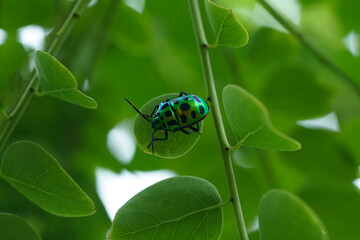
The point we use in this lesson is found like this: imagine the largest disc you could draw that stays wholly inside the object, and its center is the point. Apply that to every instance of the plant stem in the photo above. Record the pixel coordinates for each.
(215, 108)
(31, 88)
(310, 45)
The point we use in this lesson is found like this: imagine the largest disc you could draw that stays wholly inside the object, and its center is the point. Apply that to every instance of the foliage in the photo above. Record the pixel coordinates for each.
(180, 207)
(283, 73)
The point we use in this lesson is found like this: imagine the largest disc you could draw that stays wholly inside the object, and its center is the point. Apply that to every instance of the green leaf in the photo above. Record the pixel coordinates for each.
(177, 143)
(57, 81)
(250, 122)
(228, 30)
(296, 92)
(13, 227)
(284, 216)
(176, 208)
(334, 205)
(38, 176)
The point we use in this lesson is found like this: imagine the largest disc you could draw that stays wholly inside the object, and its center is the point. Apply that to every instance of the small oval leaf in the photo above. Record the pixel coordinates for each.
(301, 98)
(284, 216)
(13, 227)
(177, 143)
(228, 30)
(57, 81)
(38, 176)
(250, 122)
(176, 208)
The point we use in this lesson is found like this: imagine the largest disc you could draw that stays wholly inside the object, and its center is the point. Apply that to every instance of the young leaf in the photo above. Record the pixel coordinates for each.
(250, 122)
(177, 143)
(284, 216)
(57, 81)
(229, 31)
(13, 227)
(176, 208)
(38, 176)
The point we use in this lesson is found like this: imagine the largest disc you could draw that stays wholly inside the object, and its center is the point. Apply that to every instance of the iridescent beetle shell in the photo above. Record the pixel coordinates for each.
(176, 115)
(180, 113)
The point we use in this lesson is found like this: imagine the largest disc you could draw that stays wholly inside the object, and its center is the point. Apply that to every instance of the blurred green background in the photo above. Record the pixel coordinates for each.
(115, 51)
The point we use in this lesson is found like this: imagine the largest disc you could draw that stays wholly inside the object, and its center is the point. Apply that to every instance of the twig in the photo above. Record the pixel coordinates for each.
(215, 108)
(30, 90)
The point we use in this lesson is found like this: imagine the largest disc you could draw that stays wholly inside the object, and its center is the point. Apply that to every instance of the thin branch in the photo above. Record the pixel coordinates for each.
(310, 45)
(215, 108)
(28, 93)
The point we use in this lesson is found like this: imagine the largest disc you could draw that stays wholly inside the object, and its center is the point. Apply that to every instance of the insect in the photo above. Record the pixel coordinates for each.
(178, 114)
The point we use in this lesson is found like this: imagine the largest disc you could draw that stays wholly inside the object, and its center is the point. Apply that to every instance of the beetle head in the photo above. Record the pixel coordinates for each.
(155, 123)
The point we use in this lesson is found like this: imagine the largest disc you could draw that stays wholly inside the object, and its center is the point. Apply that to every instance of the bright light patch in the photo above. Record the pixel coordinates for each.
(254, 226)
(92, 3)
(328, 122)
(32, 37)
(290, 9)
(3, 36)
(115, 189)
(351, 42)
(137, 5)
(86, 85)
(356, 182)
(121, 142)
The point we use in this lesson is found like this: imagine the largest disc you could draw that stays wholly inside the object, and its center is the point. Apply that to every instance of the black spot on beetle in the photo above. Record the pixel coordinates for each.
(197, 99)
(164, 106)
(201, 109)
(176, 101)
(164, 126)
(186, 98)
(193, 114)
(168, 113)
(161, 117)
(172, 122)
(185, 107)
(183, 118)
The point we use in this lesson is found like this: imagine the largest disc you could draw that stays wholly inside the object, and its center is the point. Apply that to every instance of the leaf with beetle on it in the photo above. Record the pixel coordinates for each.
(57, 81)
(228, 30)
(182, 208)
(13, 227)
(177, 142)
(38, 176)
(284, 216)
(250, 122)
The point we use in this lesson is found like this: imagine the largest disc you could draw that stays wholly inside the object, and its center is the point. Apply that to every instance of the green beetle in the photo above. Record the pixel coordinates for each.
(175, 115)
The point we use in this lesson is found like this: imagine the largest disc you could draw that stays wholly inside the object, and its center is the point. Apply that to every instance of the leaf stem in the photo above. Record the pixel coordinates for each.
(4, 114)
(215, 108)
(310, 45)
(31, 88)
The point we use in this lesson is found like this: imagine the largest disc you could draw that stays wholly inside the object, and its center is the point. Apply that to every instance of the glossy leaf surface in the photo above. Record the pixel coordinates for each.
(56, 80)
(250, 122)
(176, 208)
(177, 143)
(38, 176)
(284, 216)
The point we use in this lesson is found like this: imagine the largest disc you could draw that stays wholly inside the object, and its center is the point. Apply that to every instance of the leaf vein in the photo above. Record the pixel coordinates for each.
(37, 188)
(174, 220)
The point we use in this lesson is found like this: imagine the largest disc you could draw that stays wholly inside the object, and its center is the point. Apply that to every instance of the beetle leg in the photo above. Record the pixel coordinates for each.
(153, 111)
(187, 133)
(196, 129)
(157, 139)
(183, 93)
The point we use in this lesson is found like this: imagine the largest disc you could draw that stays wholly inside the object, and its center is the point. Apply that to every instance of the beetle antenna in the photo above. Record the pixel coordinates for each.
(137, 110)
